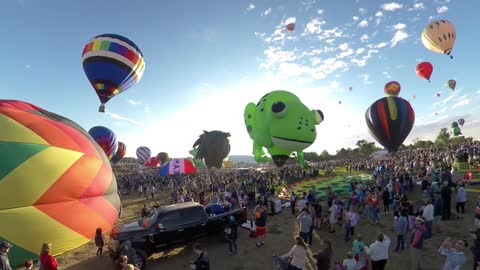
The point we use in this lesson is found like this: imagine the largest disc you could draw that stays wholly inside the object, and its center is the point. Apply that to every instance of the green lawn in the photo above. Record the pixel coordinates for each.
(339, 183)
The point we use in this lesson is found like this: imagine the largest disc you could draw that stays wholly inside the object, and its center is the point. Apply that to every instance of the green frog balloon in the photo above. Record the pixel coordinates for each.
(282, 124)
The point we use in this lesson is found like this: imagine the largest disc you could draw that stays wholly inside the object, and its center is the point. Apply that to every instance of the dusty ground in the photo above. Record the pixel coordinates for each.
(281, 230)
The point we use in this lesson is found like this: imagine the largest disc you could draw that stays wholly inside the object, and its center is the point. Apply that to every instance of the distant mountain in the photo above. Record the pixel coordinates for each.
(242, 158)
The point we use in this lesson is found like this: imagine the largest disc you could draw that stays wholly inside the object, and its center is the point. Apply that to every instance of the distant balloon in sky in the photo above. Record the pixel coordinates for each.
(461, 121)
(392, 88)
(436, 113)
(424, 70)
(350, 89)
(291, 27)
(438, 94)
(452, 84)
(390, 120)
(339, 102)
(113, 64)
(439, 36)
(413, 97)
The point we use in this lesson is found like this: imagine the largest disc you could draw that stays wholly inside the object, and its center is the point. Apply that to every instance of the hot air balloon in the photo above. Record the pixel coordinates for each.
(413, 97)
(143, 154)
(452, 84)
(436, 113)
(438, 94)
(455, 129)
(350, 88)
(339, 102)
(461, 121)
(56, 182)
(121, 151)
(424, 70)
(213, 147)
(106, 139)
(113, 64)
(177, 166)
(392, 88)
(439, 36)
(291, 27)
(390, 120)
(152, 162)
(162, 157)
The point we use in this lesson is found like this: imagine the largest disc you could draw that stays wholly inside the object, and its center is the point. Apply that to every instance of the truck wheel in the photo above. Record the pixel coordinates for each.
(141, 259)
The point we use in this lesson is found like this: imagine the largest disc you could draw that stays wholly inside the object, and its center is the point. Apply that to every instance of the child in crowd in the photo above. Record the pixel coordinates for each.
(28, 264)
(99, 241)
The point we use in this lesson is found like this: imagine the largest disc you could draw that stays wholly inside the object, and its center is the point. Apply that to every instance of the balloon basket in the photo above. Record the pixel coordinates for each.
(102, 108)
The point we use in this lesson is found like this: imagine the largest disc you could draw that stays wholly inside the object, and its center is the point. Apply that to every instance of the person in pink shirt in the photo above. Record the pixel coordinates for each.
(351, 218)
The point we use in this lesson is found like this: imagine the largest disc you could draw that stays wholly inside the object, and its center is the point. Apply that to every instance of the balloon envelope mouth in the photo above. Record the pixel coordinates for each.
(290, 144)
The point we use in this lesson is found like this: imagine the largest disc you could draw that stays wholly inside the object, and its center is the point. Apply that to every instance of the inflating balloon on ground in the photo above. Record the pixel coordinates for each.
(143, 154)
(56, 183)
(282, 124)
(121, 151)
(212, 147)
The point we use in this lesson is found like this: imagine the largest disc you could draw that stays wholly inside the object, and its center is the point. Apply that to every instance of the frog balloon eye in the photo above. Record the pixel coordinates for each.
(318, 116)
(279, 109)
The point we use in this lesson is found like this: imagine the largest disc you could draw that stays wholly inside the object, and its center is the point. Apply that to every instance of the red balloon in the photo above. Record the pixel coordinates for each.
(424, 70)
(291, 27)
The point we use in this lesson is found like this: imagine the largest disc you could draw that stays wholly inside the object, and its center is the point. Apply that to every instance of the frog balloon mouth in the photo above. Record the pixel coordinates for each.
(290, 144)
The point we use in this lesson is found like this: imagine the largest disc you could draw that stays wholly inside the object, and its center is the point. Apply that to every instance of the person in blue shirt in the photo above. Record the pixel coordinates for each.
(455, 257)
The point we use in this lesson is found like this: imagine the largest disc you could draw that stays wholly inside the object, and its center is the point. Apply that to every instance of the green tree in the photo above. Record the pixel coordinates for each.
(325, 155)
(366, 148)
(311, 156)
(442, 138)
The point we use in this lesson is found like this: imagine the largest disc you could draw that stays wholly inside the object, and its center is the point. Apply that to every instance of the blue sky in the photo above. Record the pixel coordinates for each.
(205, 60)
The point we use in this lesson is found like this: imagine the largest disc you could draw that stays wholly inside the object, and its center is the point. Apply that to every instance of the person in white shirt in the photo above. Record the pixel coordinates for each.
(298, 254)
(428, 217)
(349, 263)
(302, 203)
(378, 251)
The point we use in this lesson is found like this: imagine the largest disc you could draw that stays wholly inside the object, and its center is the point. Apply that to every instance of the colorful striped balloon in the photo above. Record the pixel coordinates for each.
(106, 139)
(113, 64)
(390, 120)
(121, 151)
(56, 183)
(143, 154)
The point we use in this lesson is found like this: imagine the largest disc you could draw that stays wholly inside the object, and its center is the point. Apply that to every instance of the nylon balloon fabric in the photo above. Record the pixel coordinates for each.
(390, 120)
(143, 154)
(213, 147)
(56, 183)
(121, 151)
(106, 139)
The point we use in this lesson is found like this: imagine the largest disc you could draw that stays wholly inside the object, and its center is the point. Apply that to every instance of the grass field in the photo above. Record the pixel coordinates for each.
(339, 183)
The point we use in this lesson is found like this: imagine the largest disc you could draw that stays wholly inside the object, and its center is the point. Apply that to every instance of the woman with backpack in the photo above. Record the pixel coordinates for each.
(99, 241)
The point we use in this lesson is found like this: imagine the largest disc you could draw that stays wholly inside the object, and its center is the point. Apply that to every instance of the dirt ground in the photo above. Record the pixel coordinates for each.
(281, 230)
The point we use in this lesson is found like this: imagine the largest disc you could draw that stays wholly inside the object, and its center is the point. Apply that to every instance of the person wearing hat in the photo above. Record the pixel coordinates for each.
(416, 243)
(231, 233)
(4, 262)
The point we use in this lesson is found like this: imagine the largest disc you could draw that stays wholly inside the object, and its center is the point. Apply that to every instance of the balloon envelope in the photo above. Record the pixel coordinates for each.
(291, 27)
(106, 139)
(112, 64)
(452, 84)
(143, 154)
(424, 70)
(177, 166)
(56, 183)
(389, 121)
(162, 157)
(461, 121)
(121, 151)
(439, 36)
(392, 88)
(152, 162)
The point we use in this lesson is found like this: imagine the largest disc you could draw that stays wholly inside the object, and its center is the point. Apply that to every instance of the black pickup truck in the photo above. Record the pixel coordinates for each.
(166, 227)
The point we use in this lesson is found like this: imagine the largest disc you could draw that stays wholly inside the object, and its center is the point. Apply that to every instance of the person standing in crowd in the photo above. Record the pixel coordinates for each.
(47, 261)
(305, 221)
(416, 243)
(333, 216)
(427, 215)
(302, 203)
(324, 256)
(293, 200)
(351, 220)
(298, 254)
(386, 200)
(202, 262)
(318, 214)
(231, 232)
(145, 211)
(401, 227)
(378, 251)
(4, 249)
(28, 264)
(260, 223)
(99, 241)
(476, 245)
(349, 263)
(460, 199)
(447, 199)
(455, 257)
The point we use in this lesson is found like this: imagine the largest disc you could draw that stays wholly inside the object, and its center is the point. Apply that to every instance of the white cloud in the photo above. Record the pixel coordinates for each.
(442, 9)
(363, 24)
(461, 103)
(359, 62)
(418, 6)
(361, 50)
(364, 38)
(391, 6)
(134, 102)
(399, 36)
(251, 7)
(381, 45)
(320, 11)
(126, 119)
(366, 78)
(314, 26)
(268, 11)
(362, 11)
(399, 26)
(345, 53)
(355, 18)
(343, 46)
(275, 55)
(379, 14)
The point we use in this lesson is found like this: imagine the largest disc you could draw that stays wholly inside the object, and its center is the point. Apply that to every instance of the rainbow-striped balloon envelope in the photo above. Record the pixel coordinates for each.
(56, 183)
